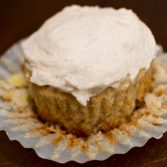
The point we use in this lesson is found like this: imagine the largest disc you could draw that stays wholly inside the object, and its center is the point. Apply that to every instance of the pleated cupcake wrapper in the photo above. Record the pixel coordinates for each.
(53, 144)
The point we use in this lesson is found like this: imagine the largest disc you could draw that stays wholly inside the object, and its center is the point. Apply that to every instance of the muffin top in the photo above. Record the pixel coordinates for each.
(83, 50)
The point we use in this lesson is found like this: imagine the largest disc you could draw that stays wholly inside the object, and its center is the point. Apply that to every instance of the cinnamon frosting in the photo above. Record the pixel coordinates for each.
(83, 50)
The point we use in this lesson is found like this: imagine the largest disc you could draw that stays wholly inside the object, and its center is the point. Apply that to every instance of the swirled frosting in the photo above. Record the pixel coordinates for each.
(83, 50)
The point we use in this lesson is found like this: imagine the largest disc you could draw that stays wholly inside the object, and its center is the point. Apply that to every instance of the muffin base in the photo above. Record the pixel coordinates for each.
(109, 109)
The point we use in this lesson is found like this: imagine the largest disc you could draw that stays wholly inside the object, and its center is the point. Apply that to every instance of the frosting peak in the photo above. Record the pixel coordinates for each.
(83, 50)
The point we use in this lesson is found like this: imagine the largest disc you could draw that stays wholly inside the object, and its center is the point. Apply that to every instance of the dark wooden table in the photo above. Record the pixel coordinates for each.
(19, 18)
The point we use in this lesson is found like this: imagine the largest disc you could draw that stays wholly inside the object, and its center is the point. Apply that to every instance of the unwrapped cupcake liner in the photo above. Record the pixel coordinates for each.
(21, 123)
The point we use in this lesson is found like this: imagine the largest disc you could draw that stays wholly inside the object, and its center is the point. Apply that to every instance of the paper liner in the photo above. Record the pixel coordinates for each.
(50, 142)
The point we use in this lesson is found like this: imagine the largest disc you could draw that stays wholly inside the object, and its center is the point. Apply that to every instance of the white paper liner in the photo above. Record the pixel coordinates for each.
(32, 133)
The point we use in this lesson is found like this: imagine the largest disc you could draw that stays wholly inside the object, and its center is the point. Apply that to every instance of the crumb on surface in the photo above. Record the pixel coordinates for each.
(18, 80)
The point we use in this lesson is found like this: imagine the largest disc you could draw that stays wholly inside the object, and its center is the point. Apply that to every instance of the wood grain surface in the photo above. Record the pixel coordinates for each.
(19, 18)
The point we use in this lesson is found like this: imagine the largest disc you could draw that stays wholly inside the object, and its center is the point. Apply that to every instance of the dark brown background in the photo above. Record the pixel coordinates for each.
(19, 18)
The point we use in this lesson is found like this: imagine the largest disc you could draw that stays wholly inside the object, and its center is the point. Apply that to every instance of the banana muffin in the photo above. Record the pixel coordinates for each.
(89, 68)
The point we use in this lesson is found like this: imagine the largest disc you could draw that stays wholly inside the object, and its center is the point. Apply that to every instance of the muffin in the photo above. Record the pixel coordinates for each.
(89, 68)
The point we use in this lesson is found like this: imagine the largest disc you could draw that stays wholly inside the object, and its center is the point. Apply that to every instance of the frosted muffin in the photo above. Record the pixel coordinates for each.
(88, 68)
